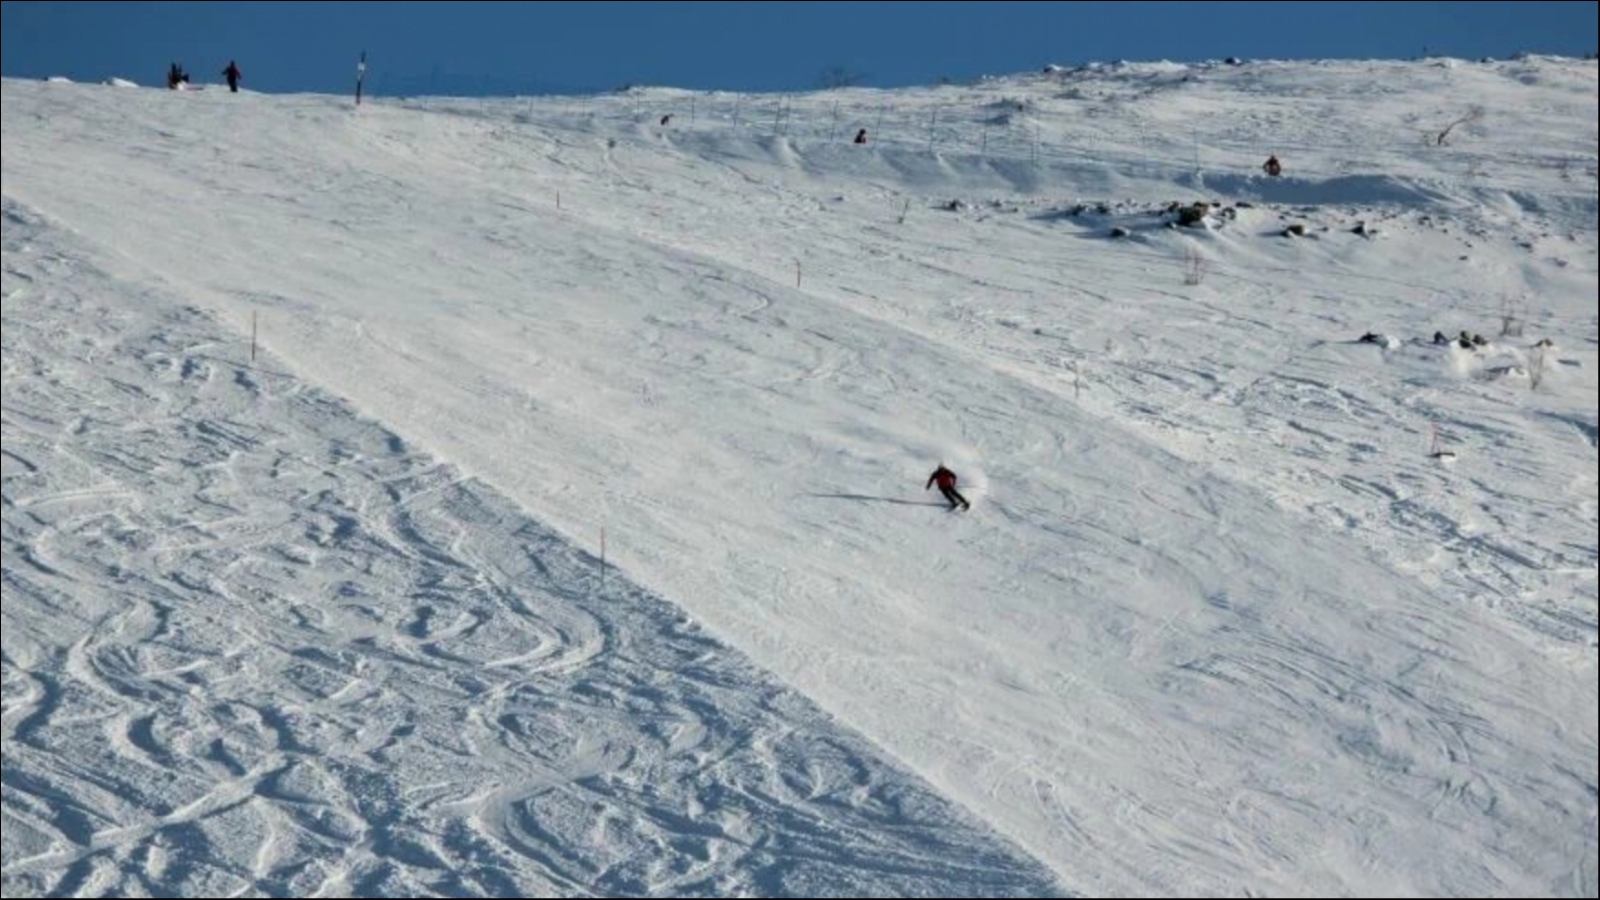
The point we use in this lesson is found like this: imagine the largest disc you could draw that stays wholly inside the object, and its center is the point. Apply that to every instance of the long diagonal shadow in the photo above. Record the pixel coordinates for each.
(863, 498)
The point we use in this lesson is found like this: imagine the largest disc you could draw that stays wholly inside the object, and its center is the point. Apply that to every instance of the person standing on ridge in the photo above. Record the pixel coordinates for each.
(946, 480)
(233, 75)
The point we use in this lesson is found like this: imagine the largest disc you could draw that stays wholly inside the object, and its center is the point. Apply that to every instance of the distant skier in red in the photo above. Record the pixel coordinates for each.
(946, 480)
(233, 75)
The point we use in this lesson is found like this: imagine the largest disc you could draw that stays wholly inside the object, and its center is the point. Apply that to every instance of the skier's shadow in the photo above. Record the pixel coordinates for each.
(864, 498)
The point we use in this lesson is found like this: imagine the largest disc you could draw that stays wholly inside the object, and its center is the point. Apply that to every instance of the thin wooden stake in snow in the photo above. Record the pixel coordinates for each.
(1438, 451)
(252, 338)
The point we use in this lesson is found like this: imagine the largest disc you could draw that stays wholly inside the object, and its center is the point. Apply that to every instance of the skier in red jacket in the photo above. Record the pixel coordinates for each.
(946, 480)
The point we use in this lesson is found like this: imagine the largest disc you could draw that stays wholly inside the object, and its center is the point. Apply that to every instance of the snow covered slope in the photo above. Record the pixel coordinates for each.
(1218, 621)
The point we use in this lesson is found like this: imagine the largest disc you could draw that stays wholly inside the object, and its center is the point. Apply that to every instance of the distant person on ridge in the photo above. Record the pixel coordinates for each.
(233, 75)
(1272, 166)
(946, 480)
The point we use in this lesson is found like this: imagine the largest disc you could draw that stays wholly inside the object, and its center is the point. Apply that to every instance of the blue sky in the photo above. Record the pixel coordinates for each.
(507, 47)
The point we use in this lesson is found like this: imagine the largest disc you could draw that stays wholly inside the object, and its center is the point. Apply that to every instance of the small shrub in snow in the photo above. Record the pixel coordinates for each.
(1513, 315)
(1472, 117)
(1012, 104)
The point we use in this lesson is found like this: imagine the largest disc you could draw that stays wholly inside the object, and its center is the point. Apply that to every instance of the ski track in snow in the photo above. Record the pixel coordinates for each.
(456, 706)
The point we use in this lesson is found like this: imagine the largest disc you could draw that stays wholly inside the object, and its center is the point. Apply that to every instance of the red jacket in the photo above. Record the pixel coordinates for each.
(943, 477)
